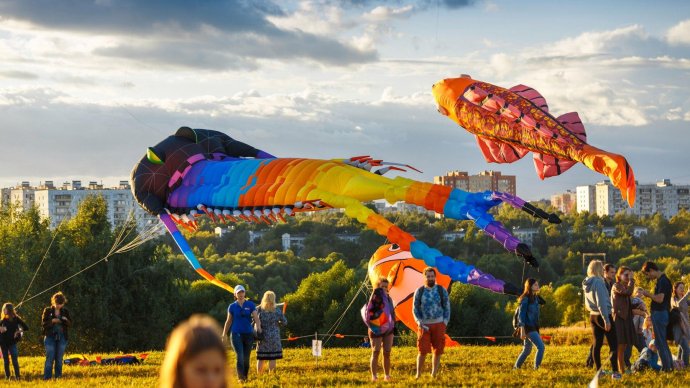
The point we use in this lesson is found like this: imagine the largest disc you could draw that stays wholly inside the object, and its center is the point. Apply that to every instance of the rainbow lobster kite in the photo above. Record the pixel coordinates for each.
(198, 171)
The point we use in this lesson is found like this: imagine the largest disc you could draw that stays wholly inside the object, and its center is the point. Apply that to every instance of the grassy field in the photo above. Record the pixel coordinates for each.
(466, 365)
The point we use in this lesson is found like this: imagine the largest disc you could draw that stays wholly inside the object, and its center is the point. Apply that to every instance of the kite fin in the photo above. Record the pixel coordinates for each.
(548, 166)
(531, 94)
(497, 152)
(573, 123)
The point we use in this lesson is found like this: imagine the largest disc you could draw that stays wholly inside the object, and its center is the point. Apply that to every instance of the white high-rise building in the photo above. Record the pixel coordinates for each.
(61, 203)
(22, 195)
(609, 200)
(586, 199)
(662, 197)
(658, 198)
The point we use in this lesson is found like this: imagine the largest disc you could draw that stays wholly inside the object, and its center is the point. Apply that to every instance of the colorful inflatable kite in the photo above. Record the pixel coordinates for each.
(197, 172)
(405, 275)
(510, 123)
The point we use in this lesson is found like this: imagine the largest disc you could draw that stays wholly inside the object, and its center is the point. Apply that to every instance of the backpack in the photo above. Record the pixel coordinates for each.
(418, 297)
(377, 314)
(516, 317)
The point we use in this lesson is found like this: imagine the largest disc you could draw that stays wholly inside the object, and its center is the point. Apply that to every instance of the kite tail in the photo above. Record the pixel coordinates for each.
(188, 254)
(462, 205)
(615, 167)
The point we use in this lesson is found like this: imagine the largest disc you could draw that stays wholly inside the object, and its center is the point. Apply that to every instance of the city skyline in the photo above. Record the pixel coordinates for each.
(83, 93)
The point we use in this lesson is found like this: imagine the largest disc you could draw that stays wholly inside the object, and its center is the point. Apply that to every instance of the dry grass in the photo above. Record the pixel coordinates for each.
(463, 366)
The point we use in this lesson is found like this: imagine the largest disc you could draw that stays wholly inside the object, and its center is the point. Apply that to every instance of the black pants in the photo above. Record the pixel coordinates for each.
(597, 323)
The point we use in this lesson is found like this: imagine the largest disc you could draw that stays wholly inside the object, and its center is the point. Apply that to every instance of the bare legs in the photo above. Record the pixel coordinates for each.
(621, 357)
(376, 344)
(261, 363)
(435, 364)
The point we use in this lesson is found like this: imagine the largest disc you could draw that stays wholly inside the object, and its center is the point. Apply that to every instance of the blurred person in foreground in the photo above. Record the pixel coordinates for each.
(195, 356)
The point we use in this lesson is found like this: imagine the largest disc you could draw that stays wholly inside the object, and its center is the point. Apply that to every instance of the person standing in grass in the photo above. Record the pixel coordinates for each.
(681, 331)
(269, 350)
(609, 279)
(12, 327)
(431, 313)
(661, 304)
(598, 303)
(639, 315)
(55, 321)
(379, 316)
(621, 299)
(528, 322)
(239, 323)
(195, 356)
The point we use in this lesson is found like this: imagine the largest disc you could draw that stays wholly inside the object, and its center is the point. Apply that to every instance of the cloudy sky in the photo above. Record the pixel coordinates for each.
(87, 85)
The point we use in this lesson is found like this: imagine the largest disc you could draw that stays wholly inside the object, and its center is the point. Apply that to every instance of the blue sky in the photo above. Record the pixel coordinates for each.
(86, 86)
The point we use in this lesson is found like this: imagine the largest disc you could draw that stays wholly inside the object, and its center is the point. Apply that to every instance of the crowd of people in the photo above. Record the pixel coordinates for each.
(618, 313)
(195, 352)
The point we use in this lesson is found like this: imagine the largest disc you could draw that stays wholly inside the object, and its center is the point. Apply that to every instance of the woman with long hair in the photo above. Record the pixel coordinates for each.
(269, 349)
(528, 322)
(12, 327)
(380, 318)
(195, 356)
(598, 303)
(621, 299)
(681, 331)
(55, 321)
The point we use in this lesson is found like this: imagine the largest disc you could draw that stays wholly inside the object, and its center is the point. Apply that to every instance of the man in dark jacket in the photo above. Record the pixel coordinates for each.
(661, 305)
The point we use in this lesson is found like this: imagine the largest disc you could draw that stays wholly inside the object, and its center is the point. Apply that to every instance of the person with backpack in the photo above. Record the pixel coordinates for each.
(379, 316)
(431, 313)
(528, 324)
(12, 327)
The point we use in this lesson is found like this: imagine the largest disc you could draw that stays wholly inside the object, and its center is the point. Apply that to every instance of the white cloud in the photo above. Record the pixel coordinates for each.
(674, 114)
(679, 34)
(384, 13)
(313, 17)
(595, 42)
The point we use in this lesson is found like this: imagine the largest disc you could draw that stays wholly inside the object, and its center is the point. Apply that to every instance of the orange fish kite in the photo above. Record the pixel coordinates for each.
(405, 275)
(509, 123)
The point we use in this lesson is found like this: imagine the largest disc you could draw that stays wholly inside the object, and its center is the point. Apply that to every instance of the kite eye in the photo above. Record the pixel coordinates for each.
(442, 110)
(152, 157)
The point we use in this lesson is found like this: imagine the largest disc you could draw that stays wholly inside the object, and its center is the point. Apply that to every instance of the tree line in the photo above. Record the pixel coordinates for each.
(133, 300)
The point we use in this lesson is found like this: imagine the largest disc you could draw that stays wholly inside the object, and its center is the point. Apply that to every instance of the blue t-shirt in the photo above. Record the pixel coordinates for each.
(241, 317)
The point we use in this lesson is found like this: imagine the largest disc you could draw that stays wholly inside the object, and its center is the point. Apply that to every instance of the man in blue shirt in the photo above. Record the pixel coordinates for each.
(239, 323)
(431, 312)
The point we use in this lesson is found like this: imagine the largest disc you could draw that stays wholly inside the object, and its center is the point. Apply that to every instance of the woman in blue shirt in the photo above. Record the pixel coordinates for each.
(239, 323)
(528, 321)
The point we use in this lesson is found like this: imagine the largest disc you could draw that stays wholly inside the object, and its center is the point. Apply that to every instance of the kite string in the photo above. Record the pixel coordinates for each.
(338, 321)
(116, 248)
(41, 263)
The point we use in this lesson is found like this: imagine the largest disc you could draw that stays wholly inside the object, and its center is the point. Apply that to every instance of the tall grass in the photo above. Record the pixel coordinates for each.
(463, 366)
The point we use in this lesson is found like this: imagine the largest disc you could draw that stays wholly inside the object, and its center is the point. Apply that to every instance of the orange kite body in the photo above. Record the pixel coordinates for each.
(509, 123)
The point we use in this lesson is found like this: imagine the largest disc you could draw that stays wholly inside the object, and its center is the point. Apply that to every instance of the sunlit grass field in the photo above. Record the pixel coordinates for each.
(466, 365)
